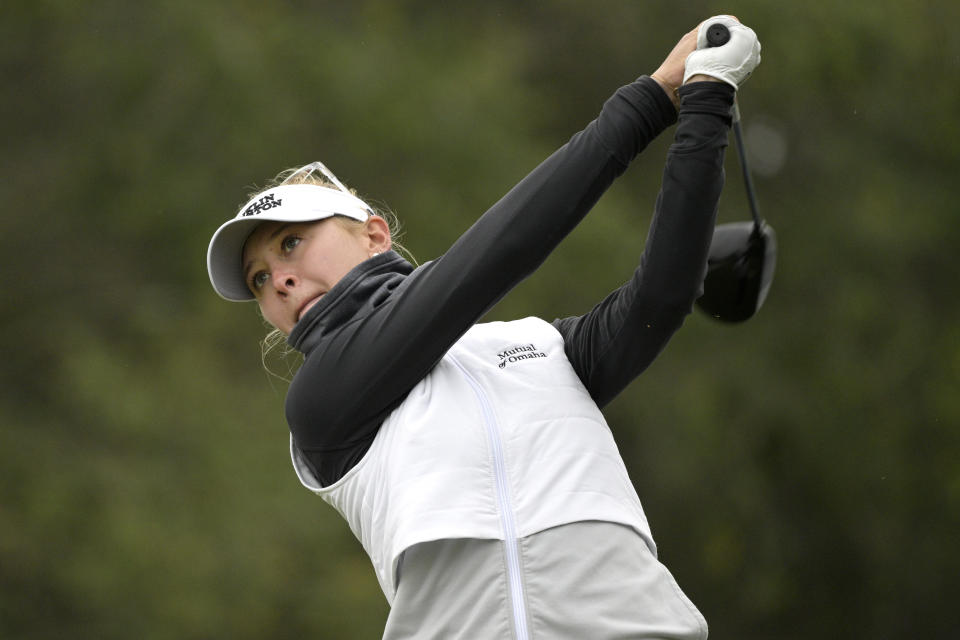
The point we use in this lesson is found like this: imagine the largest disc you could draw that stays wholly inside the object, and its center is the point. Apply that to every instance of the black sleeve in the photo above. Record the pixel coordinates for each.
(621, 336)
(342, 393)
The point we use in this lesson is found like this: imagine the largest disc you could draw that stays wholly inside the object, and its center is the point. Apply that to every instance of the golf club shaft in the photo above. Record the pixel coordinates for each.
(745, 168)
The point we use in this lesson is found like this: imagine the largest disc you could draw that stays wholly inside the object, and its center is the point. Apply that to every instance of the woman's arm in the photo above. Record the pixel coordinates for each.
(621, 336)
(515, 236)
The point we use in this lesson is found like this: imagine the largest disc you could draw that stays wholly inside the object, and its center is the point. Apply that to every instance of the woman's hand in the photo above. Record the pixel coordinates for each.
(670, 73)
(732, 61)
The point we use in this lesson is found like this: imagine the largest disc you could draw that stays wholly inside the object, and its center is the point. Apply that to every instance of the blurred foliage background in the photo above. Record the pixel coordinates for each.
(801, 472)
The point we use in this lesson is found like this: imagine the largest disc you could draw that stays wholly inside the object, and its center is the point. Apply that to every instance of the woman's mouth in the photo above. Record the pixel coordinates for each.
(307, 305)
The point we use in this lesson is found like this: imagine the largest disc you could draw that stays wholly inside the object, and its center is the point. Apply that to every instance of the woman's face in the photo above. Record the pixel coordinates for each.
(290, 266)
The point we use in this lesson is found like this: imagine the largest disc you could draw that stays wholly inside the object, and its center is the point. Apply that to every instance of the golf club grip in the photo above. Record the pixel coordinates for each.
(717, 35)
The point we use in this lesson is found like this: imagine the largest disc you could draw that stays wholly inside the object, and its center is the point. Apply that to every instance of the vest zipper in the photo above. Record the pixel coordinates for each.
(505, 505)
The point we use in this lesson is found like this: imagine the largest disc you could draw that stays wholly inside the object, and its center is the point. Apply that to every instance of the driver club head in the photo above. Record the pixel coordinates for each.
(740, 268)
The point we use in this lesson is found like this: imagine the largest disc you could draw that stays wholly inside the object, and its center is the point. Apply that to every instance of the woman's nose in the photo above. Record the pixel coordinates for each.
(284, 281)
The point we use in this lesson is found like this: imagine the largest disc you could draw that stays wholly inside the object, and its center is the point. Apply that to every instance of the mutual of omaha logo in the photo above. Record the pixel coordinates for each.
(519, 354)
(265, 203)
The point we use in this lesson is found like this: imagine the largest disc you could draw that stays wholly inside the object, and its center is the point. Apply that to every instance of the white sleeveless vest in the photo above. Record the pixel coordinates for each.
(499, 441)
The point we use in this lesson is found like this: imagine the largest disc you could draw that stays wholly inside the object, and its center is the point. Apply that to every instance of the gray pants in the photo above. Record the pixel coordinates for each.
(583, 581)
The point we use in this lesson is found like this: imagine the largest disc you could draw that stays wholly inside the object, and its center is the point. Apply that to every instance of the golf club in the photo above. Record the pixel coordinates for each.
(743, 255)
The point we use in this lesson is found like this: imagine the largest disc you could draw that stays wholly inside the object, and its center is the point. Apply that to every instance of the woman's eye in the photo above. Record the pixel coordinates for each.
(259, 279)
(289, 244)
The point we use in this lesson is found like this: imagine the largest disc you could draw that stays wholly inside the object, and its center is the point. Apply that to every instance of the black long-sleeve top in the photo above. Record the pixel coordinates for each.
(381, 329)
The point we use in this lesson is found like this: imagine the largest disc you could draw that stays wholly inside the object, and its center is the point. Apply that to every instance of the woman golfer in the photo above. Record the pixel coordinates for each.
(472, 460)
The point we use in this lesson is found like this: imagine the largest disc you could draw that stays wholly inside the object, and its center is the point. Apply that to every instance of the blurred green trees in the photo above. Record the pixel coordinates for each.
(801, 472)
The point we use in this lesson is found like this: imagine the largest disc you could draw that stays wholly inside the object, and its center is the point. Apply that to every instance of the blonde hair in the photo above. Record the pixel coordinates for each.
(275, 342)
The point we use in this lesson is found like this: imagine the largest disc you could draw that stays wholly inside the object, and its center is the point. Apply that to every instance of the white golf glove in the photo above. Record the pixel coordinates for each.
(732, 62)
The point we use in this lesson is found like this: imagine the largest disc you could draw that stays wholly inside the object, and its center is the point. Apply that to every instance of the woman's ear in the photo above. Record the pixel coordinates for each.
(377, 235)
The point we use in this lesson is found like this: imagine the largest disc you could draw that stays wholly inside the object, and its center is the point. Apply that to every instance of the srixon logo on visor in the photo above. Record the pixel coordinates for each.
(265, 203)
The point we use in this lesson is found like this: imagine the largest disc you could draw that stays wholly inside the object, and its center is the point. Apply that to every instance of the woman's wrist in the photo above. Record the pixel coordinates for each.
(702, 78)
(671, 90)
(668, 88)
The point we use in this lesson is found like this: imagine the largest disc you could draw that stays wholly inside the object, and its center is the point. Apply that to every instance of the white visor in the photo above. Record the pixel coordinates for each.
(286, 203)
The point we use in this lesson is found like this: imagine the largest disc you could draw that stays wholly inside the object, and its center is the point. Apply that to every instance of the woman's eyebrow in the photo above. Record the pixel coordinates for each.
(280, 230)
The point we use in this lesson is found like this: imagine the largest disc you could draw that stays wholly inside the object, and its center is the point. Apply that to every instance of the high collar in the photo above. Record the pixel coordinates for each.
(357, 293)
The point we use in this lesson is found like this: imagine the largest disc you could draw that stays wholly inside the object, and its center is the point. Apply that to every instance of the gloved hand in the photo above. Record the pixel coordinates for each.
(732, 62)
